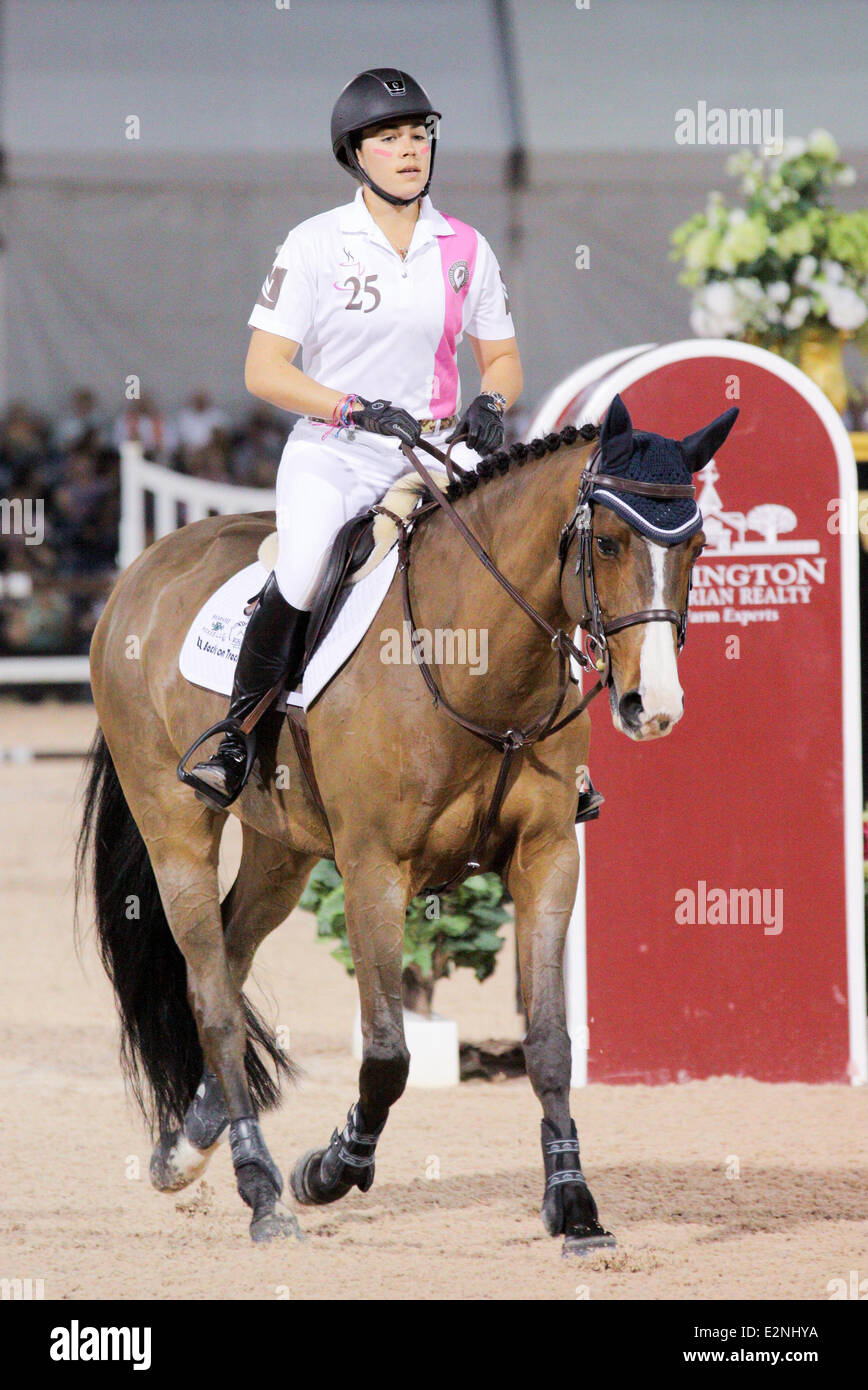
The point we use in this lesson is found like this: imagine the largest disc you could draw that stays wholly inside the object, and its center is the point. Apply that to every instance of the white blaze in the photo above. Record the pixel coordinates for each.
(659, 687)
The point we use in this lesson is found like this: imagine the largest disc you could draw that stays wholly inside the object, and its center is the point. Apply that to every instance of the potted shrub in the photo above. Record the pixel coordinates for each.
(460, 929)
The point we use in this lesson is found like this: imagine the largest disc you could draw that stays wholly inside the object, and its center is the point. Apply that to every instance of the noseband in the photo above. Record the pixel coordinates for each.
(593, 625)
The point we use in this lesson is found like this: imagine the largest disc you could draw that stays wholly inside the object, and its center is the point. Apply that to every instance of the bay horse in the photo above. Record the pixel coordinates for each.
(403, 792)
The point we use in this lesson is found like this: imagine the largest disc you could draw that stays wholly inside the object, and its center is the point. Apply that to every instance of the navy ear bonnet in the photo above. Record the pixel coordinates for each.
(652, 458)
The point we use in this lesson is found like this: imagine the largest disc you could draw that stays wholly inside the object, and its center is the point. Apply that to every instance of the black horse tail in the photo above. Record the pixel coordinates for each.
(160, 1052)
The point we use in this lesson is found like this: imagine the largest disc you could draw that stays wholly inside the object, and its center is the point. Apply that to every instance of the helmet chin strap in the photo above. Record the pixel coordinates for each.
(381, 192)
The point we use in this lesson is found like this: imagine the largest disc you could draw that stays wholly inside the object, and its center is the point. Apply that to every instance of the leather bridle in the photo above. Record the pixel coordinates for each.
(581, 524)
(593, 655)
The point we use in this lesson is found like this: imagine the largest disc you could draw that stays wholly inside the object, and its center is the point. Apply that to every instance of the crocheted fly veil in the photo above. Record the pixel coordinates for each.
(652, 458)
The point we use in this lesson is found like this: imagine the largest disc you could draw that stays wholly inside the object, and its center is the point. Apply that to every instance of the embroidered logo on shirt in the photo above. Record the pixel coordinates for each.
(458, 272)
(270, 292)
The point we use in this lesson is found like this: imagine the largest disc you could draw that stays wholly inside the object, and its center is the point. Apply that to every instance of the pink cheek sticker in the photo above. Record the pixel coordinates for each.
(383, 152)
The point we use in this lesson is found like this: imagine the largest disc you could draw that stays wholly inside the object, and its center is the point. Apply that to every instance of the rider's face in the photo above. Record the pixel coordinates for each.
(397, 157)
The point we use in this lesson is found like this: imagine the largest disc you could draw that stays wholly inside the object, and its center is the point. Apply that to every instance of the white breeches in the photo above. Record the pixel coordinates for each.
(321, 483)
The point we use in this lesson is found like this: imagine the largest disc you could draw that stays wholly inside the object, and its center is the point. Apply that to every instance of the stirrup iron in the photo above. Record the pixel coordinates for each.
(216, 799)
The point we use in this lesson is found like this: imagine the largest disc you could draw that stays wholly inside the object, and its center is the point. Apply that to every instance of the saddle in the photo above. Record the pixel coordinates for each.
(359, 546)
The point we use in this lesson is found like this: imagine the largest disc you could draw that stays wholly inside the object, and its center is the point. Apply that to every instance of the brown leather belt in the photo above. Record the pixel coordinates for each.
(426, 426)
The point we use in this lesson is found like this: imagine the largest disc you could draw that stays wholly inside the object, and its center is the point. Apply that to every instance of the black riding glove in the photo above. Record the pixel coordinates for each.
(381, 417)
(481, 425)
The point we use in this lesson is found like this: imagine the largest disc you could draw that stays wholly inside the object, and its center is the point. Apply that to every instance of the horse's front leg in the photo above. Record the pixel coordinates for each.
(543, 878)
(376, 905)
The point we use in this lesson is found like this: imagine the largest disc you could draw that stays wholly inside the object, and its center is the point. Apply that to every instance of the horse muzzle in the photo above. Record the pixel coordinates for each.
(633, 717)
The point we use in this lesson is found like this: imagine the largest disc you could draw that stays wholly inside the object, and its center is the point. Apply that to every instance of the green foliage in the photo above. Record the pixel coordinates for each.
(785, 264)
(459, 929)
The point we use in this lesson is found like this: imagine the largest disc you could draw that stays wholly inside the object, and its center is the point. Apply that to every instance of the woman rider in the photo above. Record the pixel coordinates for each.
(377, 294)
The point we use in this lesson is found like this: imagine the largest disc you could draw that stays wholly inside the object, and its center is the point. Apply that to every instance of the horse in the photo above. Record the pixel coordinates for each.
(400, 794)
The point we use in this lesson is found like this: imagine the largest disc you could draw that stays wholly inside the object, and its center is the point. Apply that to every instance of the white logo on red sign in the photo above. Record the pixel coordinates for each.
(729, 589)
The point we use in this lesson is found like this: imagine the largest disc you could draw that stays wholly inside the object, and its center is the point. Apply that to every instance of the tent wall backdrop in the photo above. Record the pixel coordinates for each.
(143, 257)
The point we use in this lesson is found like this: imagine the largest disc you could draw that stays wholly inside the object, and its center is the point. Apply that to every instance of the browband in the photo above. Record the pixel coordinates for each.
(619, 484)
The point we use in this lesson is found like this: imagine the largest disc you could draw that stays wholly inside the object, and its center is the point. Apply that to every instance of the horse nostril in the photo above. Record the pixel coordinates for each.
(630, 708)
(663, 724)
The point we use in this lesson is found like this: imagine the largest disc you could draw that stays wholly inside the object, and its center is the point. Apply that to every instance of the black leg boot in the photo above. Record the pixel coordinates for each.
(272, 649)
(590, 801)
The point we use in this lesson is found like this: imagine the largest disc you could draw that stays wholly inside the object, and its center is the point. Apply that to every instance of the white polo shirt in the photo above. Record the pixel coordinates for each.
(373, 324)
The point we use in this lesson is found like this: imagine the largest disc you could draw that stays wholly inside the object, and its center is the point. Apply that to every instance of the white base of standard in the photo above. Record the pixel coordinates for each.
(433, 1047)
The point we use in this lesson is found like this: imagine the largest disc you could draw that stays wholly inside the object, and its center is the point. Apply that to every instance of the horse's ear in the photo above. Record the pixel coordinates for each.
(616, 434)
(699, 447)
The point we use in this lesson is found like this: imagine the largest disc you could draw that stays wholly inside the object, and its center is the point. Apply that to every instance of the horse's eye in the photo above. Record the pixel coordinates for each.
(606, 545)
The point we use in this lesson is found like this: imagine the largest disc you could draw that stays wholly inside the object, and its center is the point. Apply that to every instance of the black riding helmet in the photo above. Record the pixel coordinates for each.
(376, 96)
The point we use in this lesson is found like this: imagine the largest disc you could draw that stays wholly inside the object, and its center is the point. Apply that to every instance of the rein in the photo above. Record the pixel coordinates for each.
(510, 742)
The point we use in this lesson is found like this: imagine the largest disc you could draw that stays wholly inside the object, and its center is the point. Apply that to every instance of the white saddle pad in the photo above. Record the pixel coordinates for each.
(211, 647)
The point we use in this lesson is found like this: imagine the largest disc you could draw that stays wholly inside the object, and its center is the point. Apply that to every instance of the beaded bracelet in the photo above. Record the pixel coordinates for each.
(342, 414)
(347, 406)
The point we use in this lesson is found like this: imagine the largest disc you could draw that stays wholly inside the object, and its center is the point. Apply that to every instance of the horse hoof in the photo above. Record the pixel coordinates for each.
(586, 1245)
(277, 1224)
(175, 1163)
(298, 1180)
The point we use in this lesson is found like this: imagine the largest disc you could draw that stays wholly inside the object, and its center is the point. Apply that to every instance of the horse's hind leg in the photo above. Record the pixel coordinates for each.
(543, 877)
(182, 843)
(376, 905)
(269, 883)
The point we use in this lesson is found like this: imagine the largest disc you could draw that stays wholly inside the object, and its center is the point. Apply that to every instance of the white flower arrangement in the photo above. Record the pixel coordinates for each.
(786, 264)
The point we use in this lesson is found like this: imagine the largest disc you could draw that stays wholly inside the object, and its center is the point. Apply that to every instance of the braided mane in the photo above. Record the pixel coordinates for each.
(500, 462)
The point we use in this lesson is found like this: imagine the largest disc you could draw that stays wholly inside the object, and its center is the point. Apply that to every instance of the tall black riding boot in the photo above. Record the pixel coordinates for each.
(273, 648)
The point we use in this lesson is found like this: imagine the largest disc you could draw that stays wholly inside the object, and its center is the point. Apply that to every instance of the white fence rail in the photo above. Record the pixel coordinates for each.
(171, 491)
(177, 500)
(44, 670)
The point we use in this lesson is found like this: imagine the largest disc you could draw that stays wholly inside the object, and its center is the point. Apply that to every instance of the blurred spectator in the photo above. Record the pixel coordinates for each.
(211, 459)
(83, 509)
(142, 420)
(53, 591)
(44, 625)
(23, 446)
(257, 448)
(195, 424)
(82, 418)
